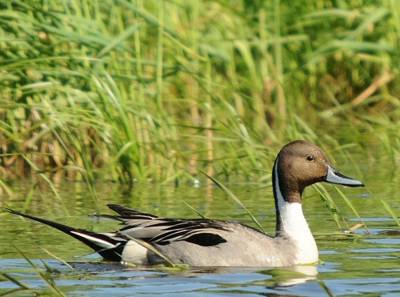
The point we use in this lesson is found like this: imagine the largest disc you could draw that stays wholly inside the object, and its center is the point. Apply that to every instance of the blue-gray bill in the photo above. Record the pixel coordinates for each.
(335, 177)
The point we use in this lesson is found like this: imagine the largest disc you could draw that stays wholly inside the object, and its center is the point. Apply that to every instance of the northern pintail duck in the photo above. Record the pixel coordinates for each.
(204, 242)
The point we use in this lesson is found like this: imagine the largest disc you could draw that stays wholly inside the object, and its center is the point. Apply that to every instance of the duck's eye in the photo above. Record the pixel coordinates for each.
(310, 158)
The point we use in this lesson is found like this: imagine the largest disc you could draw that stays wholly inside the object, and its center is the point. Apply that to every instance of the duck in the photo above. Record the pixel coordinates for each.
(146, 239)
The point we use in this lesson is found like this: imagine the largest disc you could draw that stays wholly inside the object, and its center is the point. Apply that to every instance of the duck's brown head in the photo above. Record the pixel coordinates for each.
(300, 164)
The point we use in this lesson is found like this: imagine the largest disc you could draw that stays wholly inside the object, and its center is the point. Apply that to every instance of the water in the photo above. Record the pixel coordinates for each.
(363, 264)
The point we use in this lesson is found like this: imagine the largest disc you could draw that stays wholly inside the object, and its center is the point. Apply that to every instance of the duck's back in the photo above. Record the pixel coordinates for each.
(237, 245)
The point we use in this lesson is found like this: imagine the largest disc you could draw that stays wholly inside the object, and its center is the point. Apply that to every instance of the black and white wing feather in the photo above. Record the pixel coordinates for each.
(164, 231)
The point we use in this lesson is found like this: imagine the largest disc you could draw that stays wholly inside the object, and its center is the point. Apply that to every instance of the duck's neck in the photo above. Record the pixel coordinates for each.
(290, 220)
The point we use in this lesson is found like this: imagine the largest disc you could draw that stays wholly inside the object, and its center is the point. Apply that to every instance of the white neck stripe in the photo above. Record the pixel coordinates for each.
(294, 225)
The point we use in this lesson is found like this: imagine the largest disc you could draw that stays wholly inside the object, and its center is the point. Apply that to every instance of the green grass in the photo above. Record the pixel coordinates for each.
(161, 90)
(44, 274)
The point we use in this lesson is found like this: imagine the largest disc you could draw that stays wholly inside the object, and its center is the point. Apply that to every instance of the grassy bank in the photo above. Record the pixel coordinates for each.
(163, 89)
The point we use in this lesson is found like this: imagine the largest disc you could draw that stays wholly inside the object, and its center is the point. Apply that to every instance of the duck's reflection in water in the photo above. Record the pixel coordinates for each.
(225, 278)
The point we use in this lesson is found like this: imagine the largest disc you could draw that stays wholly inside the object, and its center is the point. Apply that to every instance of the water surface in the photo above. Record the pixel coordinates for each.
(366, 263)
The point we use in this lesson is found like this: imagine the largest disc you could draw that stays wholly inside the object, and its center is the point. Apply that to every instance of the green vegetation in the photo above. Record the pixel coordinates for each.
(43, 274)
(160, 90)
(169, 91)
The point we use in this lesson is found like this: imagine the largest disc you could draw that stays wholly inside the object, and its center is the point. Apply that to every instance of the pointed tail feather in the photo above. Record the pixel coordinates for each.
(108, 247)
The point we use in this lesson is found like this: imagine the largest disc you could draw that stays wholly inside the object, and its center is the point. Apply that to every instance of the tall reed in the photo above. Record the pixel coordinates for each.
(159, 90)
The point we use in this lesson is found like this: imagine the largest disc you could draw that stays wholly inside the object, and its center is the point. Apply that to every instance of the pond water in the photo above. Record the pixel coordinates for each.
(364, 264)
